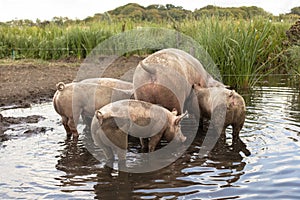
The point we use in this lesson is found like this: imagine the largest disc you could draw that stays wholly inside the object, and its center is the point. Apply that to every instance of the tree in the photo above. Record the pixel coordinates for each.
(295, 10)
(154, 6)
(253, 11)
(152, 15)
(170, 6)
(178, 14)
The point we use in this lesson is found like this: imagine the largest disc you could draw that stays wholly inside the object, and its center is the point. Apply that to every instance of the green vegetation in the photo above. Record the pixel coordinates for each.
(244, 51)
(246, 43)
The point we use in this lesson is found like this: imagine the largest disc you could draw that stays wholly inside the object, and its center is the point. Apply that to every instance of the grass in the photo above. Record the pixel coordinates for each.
(244, 51)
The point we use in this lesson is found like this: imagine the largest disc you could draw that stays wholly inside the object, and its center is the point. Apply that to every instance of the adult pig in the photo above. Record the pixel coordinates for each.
(110, 82)
(75, 99)
(167, 76)
(223, 107)
(113, 122)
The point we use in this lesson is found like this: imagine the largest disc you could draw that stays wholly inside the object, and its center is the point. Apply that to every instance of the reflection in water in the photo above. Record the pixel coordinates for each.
(191, 174)
(294, 107)
(75, 158)
(221, 167)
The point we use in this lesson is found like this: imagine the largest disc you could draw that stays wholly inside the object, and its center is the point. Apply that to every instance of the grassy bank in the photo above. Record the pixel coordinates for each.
(243, 50)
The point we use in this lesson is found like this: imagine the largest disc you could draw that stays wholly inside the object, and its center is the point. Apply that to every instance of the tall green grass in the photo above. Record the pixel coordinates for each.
(52, 41)
(244, 51)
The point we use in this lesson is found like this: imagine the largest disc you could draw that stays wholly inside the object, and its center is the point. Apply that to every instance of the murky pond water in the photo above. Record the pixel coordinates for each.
(43, 164)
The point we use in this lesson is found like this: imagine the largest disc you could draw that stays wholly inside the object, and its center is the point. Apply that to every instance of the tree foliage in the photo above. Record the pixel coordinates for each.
(295, 11)
(168, 12)
(238, 13)
(158, 12)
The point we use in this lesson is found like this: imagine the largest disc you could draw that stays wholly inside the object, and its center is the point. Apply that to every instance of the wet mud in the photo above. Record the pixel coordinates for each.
(7, 122)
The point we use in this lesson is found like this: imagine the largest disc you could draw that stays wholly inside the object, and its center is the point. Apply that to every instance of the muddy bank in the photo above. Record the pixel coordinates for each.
(26, 82)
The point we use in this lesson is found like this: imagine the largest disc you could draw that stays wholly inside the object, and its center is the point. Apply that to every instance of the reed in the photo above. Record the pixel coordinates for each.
(292, 60)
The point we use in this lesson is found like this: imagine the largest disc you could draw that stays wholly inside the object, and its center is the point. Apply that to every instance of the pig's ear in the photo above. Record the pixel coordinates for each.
(179, 118)
(174, 111)
(99, 116)
(231, 93)
(197, 86)
(199, 90)
(231, 100)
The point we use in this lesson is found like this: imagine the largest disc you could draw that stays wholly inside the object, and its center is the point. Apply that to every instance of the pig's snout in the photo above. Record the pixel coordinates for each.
(183, 139)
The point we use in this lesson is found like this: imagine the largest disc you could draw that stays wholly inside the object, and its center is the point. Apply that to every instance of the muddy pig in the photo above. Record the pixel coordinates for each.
(75, 99)
(113, 122)
(223, 107)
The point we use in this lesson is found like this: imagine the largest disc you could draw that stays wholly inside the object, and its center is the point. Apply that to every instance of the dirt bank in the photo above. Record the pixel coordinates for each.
(27, 82)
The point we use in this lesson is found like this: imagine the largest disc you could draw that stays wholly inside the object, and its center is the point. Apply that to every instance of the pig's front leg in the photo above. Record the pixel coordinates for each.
(154, 140)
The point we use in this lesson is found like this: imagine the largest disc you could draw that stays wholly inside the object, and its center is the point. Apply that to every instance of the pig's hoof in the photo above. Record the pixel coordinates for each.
(69, 135)
(122, 165)
(109, 164)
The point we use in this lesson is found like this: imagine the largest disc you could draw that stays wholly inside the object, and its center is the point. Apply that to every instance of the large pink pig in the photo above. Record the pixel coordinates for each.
(167, 76)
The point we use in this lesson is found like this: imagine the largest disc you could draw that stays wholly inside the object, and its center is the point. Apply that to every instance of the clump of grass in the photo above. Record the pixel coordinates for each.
(292, 62)
(248, 51)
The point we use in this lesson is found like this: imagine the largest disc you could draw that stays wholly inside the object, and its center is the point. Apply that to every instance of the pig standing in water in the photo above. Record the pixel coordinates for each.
(228, 106)
(113, 122)
(167, 76)
(75, 99)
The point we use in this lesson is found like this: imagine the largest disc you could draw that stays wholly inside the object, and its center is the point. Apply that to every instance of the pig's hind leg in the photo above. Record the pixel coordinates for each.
(64, 121)
(73, 122)
(72, 126)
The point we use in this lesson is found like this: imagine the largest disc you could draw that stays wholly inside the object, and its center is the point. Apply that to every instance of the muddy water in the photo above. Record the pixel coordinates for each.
(41, 163)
